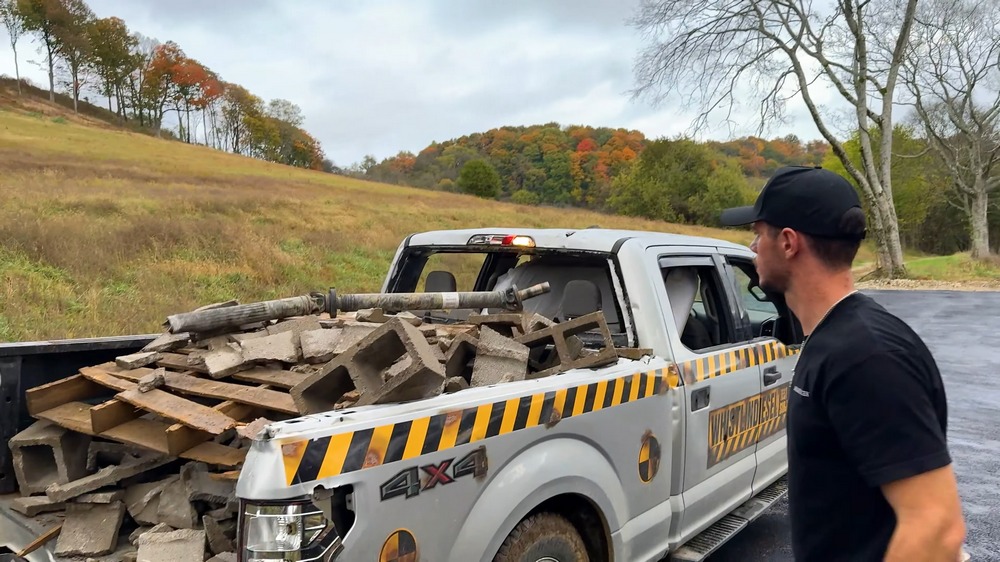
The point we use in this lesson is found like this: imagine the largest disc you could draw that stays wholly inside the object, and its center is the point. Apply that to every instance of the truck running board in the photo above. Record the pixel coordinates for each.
(709, 540)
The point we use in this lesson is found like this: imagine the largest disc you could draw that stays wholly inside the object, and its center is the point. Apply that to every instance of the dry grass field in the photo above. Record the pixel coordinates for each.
(106, 232)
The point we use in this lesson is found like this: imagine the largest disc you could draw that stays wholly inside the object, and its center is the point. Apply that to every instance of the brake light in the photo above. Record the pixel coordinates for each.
(502, 240)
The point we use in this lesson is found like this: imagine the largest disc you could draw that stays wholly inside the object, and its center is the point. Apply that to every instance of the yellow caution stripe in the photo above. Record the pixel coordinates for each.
(732, 360)
(342, 453)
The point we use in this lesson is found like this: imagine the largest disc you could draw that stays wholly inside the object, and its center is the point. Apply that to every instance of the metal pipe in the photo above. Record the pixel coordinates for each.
(235, 316)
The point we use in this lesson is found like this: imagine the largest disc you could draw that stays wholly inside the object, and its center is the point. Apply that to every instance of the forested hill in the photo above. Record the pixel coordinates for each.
(578, 165)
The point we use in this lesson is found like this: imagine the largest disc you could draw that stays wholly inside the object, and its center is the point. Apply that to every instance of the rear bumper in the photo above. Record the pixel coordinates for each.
(17, 531)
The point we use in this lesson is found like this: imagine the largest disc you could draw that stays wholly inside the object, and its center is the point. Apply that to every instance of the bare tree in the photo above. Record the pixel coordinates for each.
(14, 23)
(45, 17)
(716, 53)
(952, 72)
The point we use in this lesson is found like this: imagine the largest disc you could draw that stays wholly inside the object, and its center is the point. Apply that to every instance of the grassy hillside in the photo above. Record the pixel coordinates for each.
(105, 232)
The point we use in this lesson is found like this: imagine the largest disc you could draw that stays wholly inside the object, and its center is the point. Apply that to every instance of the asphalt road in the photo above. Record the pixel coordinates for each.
(962, 330)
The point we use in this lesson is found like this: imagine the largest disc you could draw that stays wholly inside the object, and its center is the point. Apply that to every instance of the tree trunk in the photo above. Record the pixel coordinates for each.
(17, 71)
(978, 221)
(52, 82)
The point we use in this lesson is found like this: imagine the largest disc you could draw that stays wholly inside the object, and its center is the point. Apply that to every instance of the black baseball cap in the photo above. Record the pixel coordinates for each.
(808, 199)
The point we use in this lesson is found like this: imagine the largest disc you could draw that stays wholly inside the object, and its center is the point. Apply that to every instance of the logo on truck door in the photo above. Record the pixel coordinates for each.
(734, 427)
(649, 457)
(401, 546)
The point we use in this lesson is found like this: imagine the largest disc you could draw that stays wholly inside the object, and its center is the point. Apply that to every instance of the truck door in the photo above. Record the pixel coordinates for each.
(721, 380)
(773, 329)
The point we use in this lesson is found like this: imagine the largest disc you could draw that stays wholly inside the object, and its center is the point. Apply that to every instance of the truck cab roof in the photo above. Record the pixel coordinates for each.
(582, 239)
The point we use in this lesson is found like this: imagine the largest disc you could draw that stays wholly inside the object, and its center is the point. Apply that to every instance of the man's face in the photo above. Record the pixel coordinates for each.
(772, 269)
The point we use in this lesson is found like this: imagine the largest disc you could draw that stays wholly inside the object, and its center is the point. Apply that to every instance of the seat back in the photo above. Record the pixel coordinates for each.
(580, 297)
(440, 282)
(682, 287)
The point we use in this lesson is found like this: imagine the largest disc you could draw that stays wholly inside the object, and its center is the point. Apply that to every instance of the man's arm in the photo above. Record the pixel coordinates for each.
(887, 424)
(929, 523)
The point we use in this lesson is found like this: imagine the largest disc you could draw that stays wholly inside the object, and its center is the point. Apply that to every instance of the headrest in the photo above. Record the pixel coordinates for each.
(440, 282)
(580, 297)
(682, 287)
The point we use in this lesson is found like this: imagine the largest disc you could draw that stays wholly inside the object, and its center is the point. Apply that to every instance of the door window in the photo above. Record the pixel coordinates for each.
(697, 306)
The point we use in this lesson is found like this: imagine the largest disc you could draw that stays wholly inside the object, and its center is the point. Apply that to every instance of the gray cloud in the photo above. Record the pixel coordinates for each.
(379, 77)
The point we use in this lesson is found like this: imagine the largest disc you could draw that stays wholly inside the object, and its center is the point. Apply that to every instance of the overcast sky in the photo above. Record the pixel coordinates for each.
(377, 77)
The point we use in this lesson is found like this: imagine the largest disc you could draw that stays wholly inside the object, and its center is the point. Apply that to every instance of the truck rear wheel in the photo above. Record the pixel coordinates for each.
(544, 537)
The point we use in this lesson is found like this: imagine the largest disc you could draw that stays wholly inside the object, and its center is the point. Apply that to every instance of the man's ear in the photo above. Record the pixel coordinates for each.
(790, 242)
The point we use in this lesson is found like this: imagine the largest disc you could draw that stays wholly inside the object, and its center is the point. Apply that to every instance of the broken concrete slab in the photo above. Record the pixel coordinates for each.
(136, 360)
(105, 453)
(101, 496)
(175, 508)
(295, 325)
(498, 358)
(104, 477)
(281, 346)
(374, 315)
(152, 380)
(243, 336)
(318, 345)
(172, 546)
(202, 486)
(220, 362)
(33, 505)
(158, 528)
(250, 430)
(218, 534)
(533, 322)
(90, 529)
(454, 384)
(45, 453)
(224, 557)
(351, 334)
(143, 500)
(168, 342)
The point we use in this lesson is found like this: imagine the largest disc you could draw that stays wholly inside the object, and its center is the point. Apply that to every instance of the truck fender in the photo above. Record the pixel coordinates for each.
(549, 468)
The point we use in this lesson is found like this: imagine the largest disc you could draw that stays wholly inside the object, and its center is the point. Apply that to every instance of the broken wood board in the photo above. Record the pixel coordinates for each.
(274, 377)
(74, 416)
(178, 409)
(208, 388)
(101, 376)
(181, 437)
(60, 392)
(112, 413)
(216, 454)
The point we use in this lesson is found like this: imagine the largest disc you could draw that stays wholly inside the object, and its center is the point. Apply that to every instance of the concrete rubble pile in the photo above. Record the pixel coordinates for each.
(137, 459)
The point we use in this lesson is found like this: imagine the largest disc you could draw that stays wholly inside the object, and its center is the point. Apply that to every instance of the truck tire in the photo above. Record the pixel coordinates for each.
(544, 537)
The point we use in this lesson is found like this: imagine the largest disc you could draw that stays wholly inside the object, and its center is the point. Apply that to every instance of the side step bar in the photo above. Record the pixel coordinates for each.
(708, 541)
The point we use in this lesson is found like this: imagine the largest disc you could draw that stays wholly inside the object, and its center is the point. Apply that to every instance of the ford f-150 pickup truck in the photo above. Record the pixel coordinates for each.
(664, 455)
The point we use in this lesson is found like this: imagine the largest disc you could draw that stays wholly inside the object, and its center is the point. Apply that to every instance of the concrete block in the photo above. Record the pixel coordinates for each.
(459, 355)
(454, 384)
(45, 454)
(152, 380)
(90, 529)
(250, 430)
(534, 322)
(172, 546)
(569, 348)
(374, 315)
(105, 496)
(508, 324)
(175, 508)
(282, 346)
(104, 453)
(224, 557)
(104, 477)
(397, 368)
(143, 500)
(168, 342)
(498, 357)
(33, 505)
(379, 350)
(136, 360)
(353, 333)
(318, 345)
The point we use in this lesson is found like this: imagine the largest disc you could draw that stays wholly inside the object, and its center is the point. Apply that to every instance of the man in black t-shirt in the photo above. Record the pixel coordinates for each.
(869, 472)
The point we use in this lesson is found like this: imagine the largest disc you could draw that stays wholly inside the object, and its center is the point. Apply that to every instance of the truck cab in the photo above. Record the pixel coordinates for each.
(665, 453)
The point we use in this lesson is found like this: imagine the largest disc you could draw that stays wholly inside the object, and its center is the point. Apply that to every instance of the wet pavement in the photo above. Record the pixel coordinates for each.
(962, 330)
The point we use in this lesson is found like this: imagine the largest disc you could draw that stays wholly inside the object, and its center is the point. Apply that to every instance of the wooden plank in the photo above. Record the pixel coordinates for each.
(111, 413)
(216, 454)
(101, 376)
(141, 432)
(40, 540)
(274, 377)
(208, 388)
(74, 416)
(181, 437)
(178, 409)
(60, 392)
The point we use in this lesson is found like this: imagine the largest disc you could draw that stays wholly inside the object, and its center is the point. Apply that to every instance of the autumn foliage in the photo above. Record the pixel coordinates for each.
(146, 82)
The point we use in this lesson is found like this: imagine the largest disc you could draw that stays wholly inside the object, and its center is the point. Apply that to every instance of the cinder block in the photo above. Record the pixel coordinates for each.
(454, 384)
(90, 529)
(224, 557)
(569, 348)
(281, 346)
(498, 359)
(351, 335)
(507, 324)
(46, 453)
(318, 345)
(459, 355)
(383, 347)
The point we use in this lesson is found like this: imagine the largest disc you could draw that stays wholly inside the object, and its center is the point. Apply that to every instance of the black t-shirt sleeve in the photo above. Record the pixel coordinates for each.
(885, 418)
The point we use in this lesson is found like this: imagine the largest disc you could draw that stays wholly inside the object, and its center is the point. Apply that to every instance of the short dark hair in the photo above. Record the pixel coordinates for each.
(837, 252)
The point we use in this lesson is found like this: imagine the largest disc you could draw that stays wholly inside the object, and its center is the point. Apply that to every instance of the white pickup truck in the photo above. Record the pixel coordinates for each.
(666, 455)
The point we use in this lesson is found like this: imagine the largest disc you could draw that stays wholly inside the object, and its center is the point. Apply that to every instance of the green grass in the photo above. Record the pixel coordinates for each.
(957, 267)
